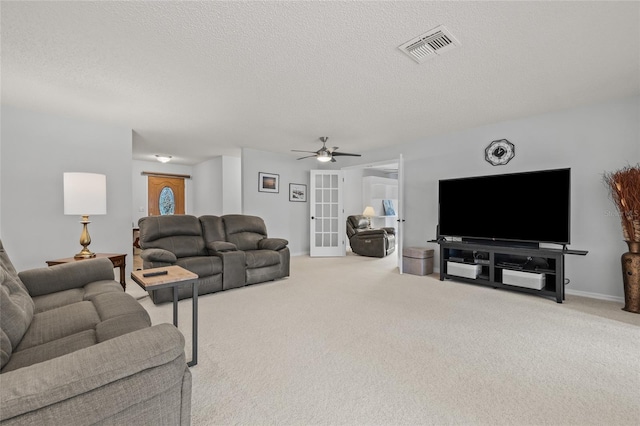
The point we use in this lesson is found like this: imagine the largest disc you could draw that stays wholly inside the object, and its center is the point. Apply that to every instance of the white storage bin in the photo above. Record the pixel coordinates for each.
(463, 270)
(523, 279)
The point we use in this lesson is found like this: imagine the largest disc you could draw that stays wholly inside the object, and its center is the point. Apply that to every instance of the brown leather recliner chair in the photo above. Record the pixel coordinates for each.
(364, 241)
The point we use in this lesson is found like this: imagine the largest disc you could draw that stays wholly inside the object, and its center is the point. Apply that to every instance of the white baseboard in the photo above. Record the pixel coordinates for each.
(595, 295)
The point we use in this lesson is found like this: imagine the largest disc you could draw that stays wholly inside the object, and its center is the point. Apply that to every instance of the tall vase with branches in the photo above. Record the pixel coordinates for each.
(624, 188)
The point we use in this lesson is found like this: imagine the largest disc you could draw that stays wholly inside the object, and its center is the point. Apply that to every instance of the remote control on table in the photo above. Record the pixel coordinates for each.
(155, 274)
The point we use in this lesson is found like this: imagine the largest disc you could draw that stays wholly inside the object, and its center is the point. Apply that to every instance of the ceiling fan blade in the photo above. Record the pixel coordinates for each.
(299, 150)
(333, 160)
(308, 156)
(346, 153)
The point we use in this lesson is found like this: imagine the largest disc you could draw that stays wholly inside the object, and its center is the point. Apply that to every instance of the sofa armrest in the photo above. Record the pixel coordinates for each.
(150, 360)
(371, 233)
(215, 247)
(390, 231)
(66, 276)
(272, 244)
(158, 255)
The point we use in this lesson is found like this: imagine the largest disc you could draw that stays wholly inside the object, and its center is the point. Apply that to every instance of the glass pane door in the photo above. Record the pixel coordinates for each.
(327, 216)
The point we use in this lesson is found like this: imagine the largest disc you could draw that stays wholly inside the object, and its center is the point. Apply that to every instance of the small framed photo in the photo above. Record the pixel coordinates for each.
(297, 192)
(268, 182)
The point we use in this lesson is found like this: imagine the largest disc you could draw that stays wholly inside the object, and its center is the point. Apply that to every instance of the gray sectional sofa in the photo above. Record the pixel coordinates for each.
(226, 252)
(75, 349)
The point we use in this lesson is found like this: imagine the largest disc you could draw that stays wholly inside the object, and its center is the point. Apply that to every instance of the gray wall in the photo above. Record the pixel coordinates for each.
(590, 140)
(284, 219)
(36, 150)
(218, 188)
(231, 185)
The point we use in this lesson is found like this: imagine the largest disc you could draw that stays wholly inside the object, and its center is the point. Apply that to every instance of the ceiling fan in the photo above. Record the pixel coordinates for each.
(325, 154)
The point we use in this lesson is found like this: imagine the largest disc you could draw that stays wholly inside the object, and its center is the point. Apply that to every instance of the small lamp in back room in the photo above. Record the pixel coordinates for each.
(85, 194)
(368, 213)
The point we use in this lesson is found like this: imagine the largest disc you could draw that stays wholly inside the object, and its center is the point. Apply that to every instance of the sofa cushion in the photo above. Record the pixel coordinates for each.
(180, 245)
(58, 299)
(58, 323)
(16, 309)
(111, 305)
(261, 258)
(5, 349)
(204, 266)
(244, 231)
(66, 297)
(47, 280)
(212, 228)
(51, 350)
(179, 234)
(122, 324)
(99, 287)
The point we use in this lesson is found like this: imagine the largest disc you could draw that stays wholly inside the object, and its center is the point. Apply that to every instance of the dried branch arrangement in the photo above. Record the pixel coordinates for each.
(624, 186)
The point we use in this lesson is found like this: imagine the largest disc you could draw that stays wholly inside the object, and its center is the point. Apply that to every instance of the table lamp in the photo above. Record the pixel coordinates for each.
(85, 194)
(369, 213)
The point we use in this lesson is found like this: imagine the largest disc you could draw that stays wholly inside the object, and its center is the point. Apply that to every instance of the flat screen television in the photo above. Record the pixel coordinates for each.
(531, 207)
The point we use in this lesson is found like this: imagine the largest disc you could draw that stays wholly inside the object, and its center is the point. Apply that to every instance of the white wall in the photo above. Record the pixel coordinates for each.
(218, 186)
(37, 149)
(352, 192)
(140, 191)
(284, 219)
(231, 185)
(590, 140)
(208, 187)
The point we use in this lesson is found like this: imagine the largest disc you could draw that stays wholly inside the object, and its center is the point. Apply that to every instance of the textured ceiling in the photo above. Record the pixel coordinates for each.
(200, 79)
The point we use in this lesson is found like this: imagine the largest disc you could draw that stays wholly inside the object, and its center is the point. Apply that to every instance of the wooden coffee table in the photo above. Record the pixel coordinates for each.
(174, 277)
(117, 259)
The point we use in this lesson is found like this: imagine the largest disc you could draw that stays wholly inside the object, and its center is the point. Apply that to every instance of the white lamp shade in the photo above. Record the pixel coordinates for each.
(368, 212)
(85, 193)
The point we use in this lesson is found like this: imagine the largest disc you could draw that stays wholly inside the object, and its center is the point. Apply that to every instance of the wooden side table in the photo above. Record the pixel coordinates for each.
(173, 277)
(117, 259)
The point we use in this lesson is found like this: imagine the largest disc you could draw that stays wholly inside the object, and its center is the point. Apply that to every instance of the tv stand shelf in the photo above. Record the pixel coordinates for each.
(489, 262)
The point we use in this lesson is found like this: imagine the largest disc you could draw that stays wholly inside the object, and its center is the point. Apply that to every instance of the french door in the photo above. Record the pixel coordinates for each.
(327, 225)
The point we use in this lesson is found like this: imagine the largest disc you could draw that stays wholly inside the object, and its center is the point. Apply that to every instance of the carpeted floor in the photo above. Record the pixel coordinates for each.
(350, 341)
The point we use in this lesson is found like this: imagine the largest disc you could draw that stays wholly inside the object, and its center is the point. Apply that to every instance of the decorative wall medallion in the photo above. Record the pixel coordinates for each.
(499, 152)
(167, 202)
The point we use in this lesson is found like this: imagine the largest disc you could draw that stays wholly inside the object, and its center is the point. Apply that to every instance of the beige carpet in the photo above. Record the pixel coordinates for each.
(350, 341)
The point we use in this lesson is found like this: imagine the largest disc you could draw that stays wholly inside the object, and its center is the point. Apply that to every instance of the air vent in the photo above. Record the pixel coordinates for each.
(430, 44)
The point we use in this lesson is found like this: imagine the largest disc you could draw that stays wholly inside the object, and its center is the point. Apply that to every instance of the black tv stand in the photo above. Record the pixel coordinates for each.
(502, 243)
(490, 260)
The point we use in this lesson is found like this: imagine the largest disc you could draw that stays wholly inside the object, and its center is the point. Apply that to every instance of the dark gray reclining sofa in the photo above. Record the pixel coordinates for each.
(75, 349)
(226, 252)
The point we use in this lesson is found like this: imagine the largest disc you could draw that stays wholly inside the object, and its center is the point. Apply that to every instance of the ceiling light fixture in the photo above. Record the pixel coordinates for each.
(324, 157)
(163, 158)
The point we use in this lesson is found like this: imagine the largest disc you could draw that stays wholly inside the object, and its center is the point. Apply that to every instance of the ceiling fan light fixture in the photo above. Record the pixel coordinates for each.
(324, 157)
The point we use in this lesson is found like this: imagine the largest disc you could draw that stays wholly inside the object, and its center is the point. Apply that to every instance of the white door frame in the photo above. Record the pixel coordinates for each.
(400, 228)
(400, 221)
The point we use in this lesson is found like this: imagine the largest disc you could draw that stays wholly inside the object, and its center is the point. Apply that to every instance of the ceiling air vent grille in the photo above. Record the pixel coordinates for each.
(430, 44)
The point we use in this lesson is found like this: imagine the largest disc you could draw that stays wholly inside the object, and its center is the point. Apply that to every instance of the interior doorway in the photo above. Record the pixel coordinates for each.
(376, 185)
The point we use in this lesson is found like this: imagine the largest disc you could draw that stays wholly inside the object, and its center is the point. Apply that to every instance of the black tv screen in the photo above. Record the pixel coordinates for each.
(527, 207)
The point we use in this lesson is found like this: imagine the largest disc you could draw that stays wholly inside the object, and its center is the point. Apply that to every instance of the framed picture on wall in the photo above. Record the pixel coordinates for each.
(268, 182)
(297, 192)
